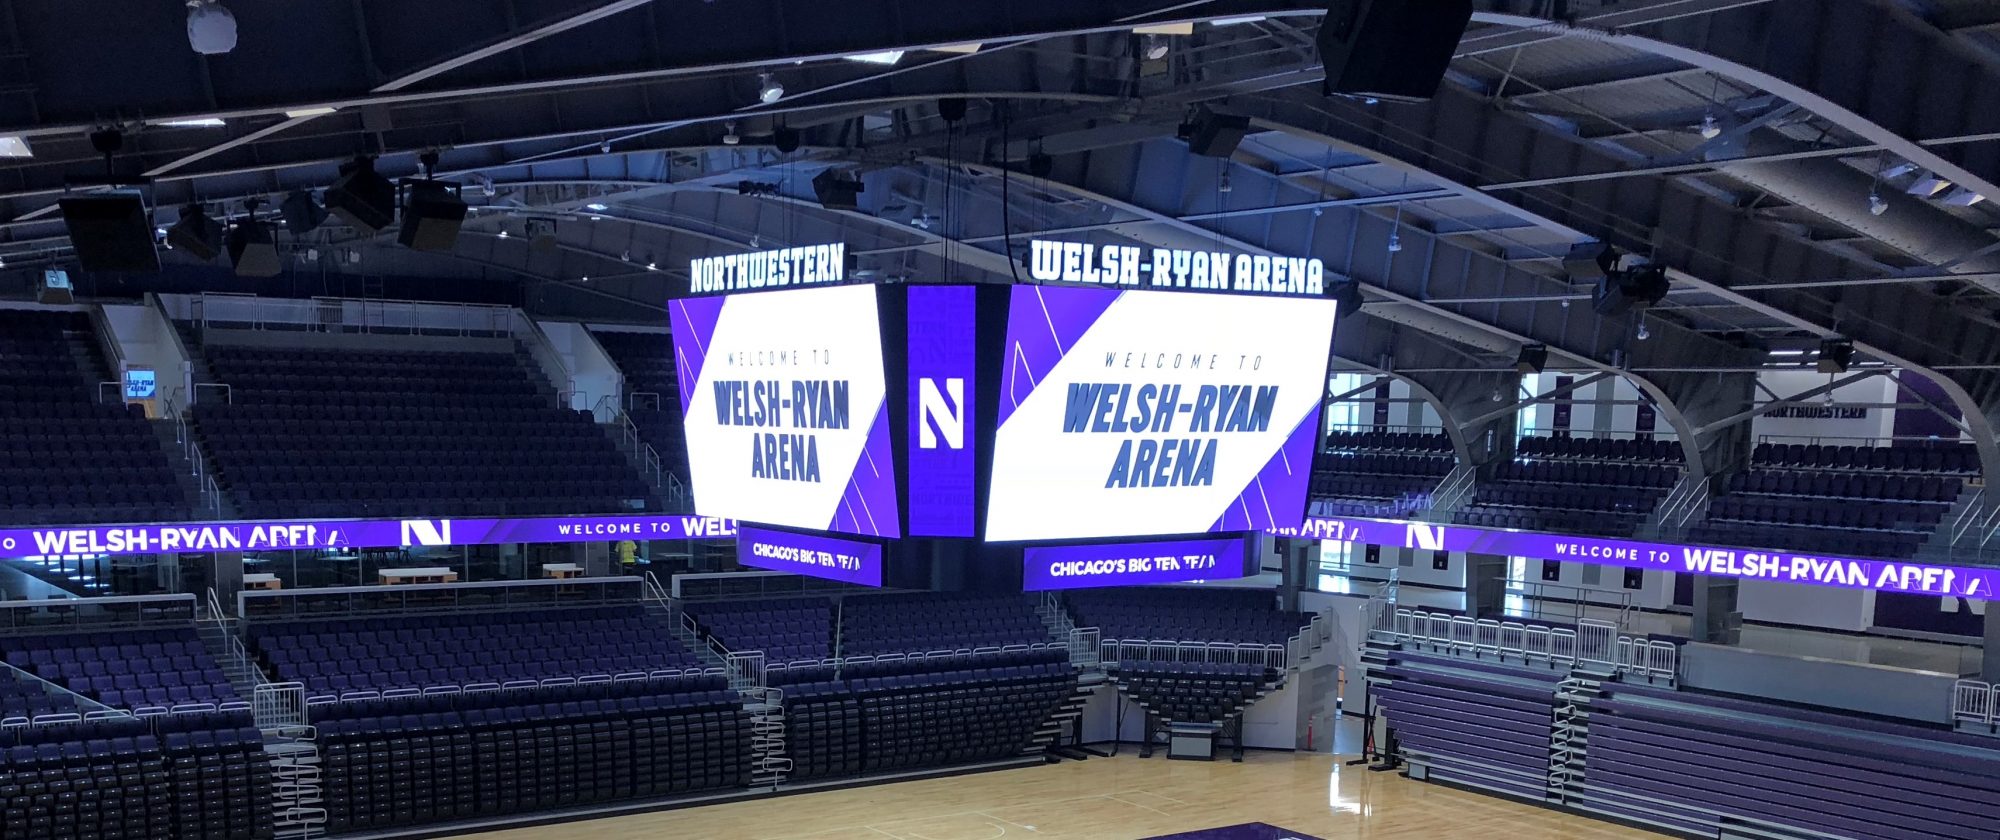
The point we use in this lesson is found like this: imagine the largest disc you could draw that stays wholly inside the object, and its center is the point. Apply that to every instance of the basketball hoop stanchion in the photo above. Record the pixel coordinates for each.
(1382, 760)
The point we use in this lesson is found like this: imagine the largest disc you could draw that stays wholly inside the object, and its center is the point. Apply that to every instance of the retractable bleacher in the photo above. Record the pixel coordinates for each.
(429, 720)
(1484, 724)
(71, 768)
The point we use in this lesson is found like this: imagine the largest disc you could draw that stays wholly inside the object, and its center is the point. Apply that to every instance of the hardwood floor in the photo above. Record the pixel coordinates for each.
(1122, 798)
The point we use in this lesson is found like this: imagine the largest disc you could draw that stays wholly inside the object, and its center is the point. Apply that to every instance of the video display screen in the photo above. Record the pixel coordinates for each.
(1138, 413)
(786, 412)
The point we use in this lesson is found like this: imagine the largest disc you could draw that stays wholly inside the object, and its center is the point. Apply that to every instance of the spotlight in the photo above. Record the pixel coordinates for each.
(1710, 129)
(604, 147)
(196, 234)
(1877, 205)
(251, 248)
(432, 214)
(769, 90)
(1835, 355)
(1395, 242)
(1155, 47)
(729, 135)
(596, 207)
(361, 197)
(1212, 134)
(1643, 333)
(503, 233)
(1533, 358)
(836, 192)
(1634, 288)
(301, 213)
(211, 28)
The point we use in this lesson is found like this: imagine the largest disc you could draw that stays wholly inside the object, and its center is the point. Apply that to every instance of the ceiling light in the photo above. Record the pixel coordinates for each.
(211, 28)
(1395, 242)
(1710, 129)
(1927, 184)
(1877, 205)
(1234, 21)
(503, 234)
(1898, 169)
(14, 146)
(1788, 352)
(883, 57)
(1155, 47)
(1962, 197)
(729, 135)
(1643, 333)
(652, 266)
(311, 112)
(769, 91)
(604, 147)
(585, 278)
(199, 122)
(595, 205)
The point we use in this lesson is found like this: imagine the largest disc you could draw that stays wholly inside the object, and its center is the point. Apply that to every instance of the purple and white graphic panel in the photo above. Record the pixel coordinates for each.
(1137, 413)
(785, 397)
(943, 357)
(1752, 564)
(813, 556)
(1130, 564)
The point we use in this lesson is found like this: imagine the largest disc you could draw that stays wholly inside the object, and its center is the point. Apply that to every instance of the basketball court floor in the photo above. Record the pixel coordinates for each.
(1302, 796)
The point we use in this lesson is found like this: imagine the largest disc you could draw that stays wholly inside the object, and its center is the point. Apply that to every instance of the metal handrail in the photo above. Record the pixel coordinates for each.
(632, 399)
(228, 393)
(1124, 651)
(1975, 702)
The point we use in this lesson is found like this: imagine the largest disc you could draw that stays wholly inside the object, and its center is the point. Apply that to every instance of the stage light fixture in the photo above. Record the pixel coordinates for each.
(1155, 47)
(302, 214)
(362, 197)
(1533, 358)
(1836, 355)
(1395, 243)
(1634, 288)
(729, 135)
(252, 250)
(1710, 129)
(837, 192)
(541, 234)
(432, 215)
(196, 233)
(1212, 134)
(211, 27)
(769, 89)
(1877, 205)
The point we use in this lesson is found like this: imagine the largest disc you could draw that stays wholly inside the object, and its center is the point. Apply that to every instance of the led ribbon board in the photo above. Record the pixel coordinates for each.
(786, 408)
(1750, 564)
(1141, 413)
(1130, 564)
(813, 556)
(325, 534)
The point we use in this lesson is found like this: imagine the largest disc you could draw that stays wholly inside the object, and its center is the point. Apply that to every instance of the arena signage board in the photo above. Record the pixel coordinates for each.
(1749, 564)
(1133, 267)
(808, 265)
(813, 556)
(326, 534)
(1130, 564)
(943, 360)
(1141, 413)
(786, 408)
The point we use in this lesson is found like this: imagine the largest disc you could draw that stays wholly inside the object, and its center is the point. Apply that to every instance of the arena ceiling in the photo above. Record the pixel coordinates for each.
(1738, 142)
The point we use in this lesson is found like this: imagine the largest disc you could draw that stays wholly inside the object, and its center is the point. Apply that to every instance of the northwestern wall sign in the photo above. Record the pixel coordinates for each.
(1749, 564)
(806, 265)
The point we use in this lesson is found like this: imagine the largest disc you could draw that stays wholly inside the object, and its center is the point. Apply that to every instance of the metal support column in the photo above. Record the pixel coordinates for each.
(1485, 585)
(1716, 619)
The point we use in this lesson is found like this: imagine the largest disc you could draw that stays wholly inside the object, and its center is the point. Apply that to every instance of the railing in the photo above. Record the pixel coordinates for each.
(842, 662)
(746, 670)
(228, 393)
(242, 664)
(436, 597)
(1859, 442)
(1212, 653)
(1975, 702)
(1315, 635)
(530, 334)
(25, 676)
(1453, 490)
(1086, 647)
(115, 389)
(8, 725)
(365, 695)
(97, 613)
(1649, 658)
(1538, 596)
(633, 400)
(1458, 634)
(279, 704)
(209, 492)
(325, 314)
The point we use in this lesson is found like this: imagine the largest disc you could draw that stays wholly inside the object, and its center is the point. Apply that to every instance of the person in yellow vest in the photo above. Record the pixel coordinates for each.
(628, 553)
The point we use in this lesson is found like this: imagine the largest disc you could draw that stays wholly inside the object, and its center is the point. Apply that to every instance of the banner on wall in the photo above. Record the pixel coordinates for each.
(943, 356)
(1749, 564)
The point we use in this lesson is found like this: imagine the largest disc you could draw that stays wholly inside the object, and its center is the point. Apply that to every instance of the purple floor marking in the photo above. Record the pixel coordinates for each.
(1246, 831)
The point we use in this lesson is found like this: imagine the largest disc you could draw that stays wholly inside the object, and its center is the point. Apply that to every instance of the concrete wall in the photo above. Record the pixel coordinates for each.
(1807, 606)
(1869, 689)
(591, 370)
(1874, 422)
(146, 339)
(1414, 565)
